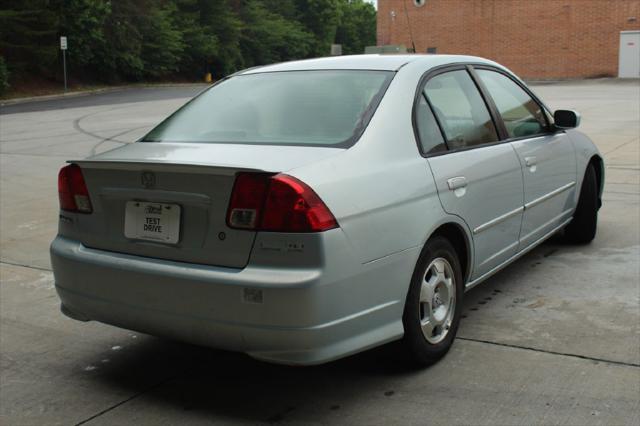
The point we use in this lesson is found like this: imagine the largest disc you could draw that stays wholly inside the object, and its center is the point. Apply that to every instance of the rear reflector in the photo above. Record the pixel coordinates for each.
(247, 199)
(280, 203)
(72, 190)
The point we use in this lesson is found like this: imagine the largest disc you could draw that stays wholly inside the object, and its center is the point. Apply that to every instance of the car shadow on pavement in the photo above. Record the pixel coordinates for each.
(220, 384)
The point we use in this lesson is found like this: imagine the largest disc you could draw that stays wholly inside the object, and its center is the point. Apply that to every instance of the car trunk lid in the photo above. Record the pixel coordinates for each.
(170, 201)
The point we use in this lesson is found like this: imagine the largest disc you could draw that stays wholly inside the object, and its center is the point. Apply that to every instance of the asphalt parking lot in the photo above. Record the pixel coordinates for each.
(553, 339)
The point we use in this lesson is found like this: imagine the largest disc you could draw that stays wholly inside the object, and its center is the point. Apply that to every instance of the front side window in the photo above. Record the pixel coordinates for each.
(460, 109)
(521, 114)
(326, 108)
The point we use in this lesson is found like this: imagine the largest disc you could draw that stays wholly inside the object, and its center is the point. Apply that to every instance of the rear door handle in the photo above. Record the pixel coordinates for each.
(530, 161)
(457, 183)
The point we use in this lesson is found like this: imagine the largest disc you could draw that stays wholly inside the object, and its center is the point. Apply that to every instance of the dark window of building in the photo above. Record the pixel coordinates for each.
(432, 49)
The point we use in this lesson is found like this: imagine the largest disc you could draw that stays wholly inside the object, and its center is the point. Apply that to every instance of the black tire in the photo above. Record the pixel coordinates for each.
(414, 343)
(582, 228)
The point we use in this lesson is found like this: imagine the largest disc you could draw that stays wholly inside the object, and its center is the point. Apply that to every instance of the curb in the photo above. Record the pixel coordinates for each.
(15, 101)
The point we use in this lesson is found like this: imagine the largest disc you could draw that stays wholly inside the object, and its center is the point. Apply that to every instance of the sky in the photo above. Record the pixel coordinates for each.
(374, 2)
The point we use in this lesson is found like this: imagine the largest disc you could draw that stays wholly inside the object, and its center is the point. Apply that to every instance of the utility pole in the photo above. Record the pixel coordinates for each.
(63, 47)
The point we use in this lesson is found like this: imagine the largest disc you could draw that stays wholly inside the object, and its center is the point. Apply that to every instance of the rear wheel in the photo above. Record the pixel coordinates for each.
(433, 305)
(583, 226)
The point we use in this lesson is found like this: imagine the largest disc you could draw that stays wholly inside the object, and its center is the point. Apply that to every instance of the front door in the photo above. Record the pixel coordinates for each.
(549, 169)
(547, 157)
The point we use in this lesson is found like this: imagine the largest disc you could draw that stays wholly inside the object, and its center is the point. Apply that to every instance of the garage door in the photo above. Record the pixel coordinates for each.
(629, 59)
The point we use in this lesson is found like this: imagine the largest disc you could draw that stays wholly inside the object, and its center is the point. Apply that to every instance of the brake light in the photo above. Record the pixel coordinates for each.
(291, 206)
(72, 190)
(280, 203)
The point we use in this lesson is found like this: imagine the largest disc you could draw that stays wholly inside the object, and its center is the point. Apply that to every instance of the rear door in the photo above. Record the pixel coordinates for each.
(478, 178)
(548, 158)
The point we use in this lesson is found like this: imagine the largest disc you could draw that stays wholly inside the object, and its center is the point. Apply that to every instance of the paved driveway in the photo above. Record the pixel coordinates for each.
(553, 339)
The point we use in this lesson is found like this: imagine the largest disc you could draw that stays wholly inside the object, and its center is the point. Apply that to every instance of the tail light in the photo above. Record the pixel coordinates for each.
(72, 191)
(280, 203)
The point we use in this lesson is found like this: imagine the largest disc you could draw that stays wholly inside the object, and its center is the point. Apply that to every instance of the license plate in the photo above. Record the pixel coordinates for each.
(152, 221)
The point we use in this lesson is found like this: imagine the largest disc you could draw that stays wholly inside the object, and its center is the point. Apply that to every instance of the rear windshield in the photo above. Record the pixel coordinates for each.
(298, 108)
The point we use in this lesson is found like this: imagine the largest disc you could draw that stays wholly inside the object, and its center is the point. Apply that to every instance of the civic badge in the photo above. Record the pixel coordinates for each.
(148, 180)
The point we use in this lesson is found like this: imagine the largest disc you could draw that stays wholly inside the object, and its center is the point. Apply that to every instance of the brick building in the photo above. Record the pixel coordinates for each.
(537, 39)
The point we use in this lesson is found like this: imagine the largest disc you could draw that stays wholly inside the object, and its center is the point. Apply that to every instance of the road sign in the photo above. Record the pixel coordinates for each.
(63, 47)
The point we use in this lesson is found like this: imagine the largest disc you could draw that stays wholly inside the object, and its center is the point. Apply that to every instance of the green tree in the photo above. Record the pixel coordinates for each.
(200, 42)
(116, 40)
(217, 17)
(320, 18)
(268, 37)
(121, 56)
(83, 23)
(286, 8)
(357, 26)
(28, 36)
(4, 76)
(123, 40)
(162, 42)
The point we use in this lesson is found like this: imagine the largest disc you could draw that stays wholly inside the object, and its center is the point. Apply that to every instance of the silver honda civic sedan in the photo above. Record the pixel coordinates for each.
(305, 211)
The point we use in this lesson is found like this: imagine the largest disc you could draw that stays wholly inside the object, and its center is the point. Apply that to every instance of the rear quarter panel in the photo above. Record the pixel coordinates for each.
(381, 190)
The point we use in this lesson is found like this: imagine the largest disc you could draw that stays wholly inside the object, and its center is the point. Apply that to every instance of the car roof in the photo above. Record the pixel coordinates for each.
(378, 62)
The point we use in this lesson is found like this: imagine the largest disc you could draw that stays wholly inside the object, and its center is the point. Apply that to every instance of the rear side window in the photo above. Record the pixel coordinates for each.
(521, 114)
(325, 108)
(431, 139)
(460, 109)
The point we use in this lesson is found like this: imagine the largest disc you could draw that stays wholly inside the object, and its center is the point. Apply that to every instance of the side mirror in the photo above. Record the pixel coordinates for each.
(566, 119)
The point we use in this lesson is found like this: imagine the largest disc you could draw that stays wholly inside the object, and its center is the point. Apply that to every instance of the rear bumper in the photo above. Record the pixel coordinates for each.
(307, 315)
